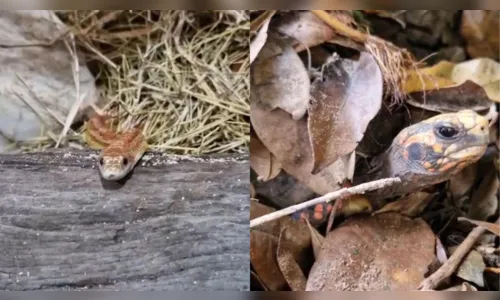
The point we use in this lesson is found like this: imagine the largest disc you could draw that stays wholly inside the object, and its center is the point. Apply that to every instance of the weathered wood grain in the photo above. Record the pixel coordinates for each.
(176, 224)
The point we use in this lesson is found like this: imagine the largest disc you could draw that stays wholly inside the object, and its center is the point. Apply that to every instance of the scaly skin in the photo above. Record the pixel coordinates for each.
(120, 151)
(421, 156)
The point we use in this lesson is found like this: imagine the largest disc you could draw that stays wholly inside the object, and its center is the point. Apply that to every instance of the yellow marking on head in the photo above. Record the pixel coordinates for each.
(437, 148)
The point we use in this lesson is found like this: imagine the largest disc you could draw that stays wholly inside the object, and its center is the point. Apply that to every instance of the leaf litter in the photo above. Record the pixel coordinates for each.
(352, 90)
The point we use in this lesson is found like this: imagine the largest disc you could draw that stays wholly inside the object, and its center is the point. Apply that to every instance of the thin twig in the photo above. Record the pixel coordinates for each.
(358, 189)
(447, 269)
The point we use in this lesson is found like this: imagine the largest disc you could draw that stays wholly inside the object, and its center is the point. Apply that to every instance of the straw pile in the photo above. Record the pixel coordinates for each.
(182, 74)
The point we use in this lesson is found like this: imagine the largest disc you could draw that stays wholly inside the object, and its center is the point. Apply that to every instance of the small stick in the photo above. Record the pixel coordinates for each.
(447, 269)
(358, 189)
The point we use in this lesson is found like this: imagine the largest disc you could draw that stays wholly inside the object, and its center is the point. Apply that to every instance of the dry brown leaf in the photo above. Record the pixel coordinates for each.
(316, 239)
(366, 253)
(288, 140)
(482, 71)
(484, 201)
(262, 161)
(260, 40)
(412, 205)
(447, 86)
(280, 80)
(288, 265)
(461, 183)
(491, 227)
(472, 267)
(480, 29)
(265, 240)
(307, 29)
(263, 248)
(344, 100)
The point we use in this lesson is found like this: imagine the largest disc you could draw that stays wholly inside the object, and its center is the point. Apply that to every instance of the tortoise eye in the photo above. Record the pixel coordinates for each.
(446, 132)
(101, 161)
(125, 161)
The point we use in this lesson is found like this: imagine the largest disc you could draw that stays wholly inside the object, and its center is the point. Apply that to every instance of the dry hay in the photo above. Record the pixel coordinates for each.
(183, 74)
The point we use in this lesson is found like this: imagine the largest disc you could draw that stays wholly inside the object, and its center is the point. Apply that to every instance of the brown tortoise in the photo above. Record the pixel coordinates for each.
(424, 154)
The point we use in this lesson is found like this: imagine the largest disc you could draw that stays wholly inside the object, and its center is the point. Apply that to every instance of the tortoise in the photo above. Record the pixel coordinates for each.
(421, 155)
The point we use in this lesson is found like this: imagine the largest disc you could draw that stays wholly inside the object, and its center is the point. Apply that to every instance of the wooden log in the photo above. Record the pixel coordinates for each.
(177, 223)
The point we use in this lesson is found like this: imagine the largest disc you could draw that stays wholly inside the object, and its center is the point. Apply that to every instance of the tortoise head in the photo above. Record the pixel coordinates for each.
(444, 144)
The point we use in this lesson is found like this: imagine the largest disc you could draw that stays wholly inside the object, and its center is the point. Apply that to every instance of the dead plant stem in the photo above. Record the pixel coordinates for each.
(358, 189)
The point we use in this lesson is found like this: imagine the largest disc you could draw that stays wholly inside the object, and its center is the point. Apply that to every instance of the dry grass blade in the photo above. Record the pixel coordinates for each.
(184, 75)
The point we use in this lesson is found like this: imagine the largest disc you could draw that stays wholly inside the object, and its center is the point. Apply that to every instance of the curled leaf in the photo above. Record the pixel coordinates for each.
(288, 265)
(411, 206)
(316, 239)
(260, 39)
(288, 140)
(447, 87)
(280, 80)
(344, 100)
(263, 259)
(262, 161)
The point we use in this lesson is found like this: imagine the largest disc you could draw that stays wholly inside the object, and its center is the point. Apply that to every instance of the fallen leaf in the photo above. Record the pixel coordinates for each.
(316, 239)
(288, 140)
(412, 205)
(308, 30)
(484, 200)
(288, 265)
(462, 183)
(472, 267)
(366, 253)
(482, 71)
(440, 251)
(467, 95)
(491, 227)
(344, 100)
(447, 87)
(280, 80)
(260, 39)
(263, 248)
(480, 29)
(264, 242)
(262, 161)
